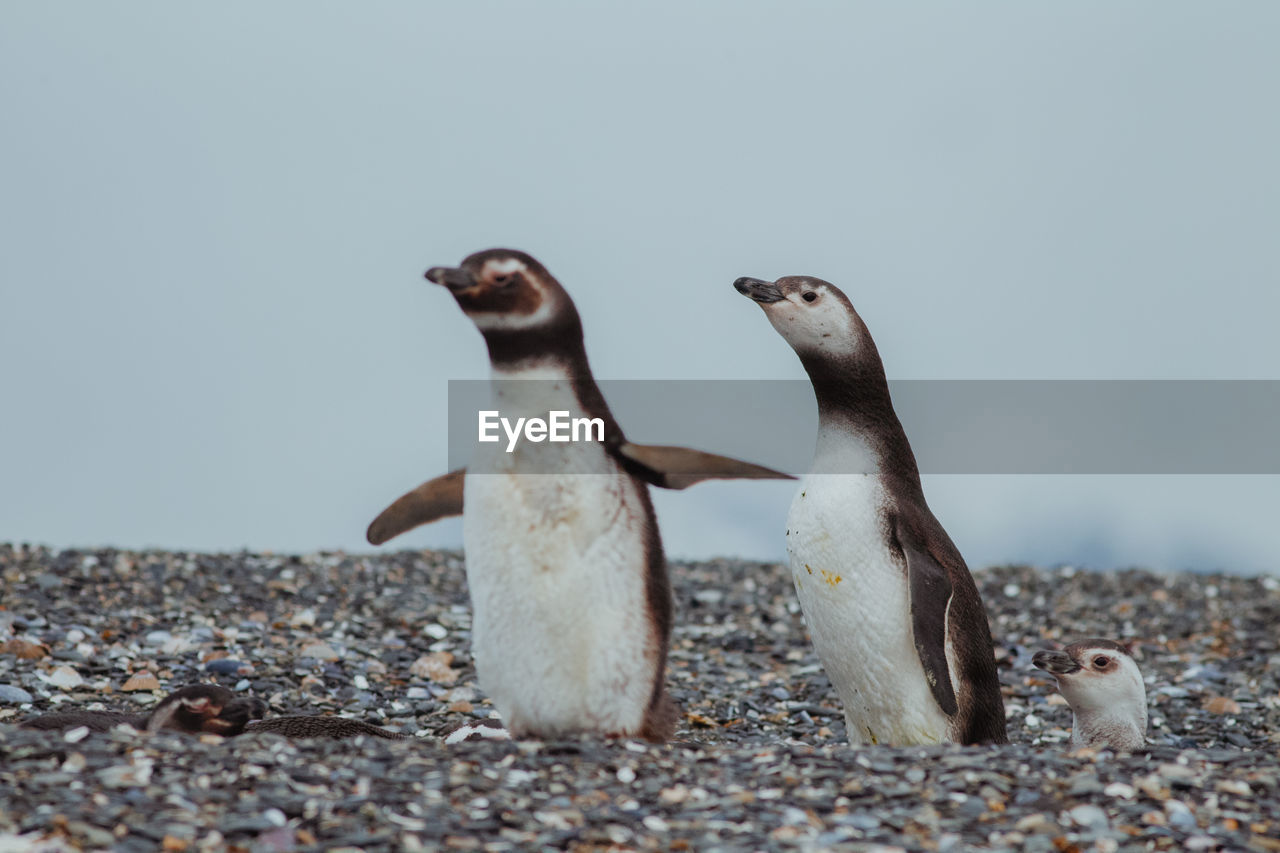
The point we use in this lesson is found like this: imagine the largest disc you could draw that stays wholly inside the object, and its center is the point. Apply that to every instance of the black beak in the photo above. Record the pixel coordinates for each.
(1057, 663)
(763, 292)
(451, 277)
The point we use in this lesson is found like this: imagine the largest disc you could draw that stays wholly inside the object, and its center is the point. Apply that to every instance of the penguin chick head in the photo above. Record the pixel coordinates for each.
(504, 290)
(1097, 677)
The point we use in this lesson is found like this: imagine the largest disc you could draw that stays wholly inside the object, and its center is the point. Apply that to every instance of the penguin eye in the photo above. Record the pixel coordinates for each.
(1100, 662)
(809, 296)
(502, 279)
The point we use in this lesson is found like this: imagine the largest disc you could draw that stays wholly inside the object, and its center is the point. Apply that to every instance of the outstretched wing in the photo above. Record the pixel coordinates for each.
(434, 499)
(680, 467)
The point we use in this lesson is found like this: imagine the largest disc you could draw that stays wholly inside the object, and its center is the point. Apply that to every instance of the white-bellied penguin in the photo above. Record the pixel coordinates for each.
(572, 605)
(892, 609)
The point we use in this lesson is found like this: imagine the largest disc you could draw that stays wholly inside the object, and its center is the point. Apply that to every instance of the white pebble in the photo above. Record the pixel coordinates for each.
(1090, 816)
(435, 631)
(1119, 789)
(626, 775)
(303, 618)
(76, 735)
(653, 823)
(65, 677)
(1012, 590)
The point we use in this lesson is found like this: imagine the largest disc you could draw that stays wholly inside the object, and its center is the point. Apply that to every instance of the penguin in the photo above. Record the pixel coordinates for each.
(1102, 683)
(211, 709)
(572, 607)
(193, 709)
(892, 610)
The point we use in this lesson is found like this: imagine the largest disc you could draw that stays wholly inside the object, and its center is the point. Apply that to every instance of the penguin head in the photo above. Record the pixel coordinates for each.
(505, 290)
(205, 708)
(1097, 676)
(813, 315)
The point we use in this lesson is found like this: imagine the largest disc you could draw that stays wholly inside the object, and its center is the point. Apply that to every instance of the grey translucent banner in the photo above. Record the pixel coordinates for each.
(954, 426)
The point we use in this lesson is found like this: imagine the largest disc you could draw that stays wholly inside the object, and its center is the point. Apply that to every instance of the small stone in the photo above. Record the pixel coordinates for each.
(1033, 823)
(303, 618)
(141, 681)
(1222, 705)
(1119, 790)
(226, 666)
(158, 638)
(10, 695)
(76, 735)
(1179, 814)
(626, 775)
(65, 677)
(653, 823)
(1090, 817)
(435, 667)
(674, 795)
(318, 651)
(1236, 787)
(435, 631)
(24, 649)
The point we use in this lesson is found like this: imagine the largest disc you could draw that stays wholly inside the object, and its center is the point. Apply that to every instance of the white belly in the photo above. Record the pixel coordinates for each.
(556, 566)
(858, 610)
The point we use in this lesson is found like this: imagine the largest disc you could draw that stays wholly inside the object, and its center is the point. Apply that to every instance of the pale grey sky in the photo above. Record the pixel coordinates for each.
(214, 332)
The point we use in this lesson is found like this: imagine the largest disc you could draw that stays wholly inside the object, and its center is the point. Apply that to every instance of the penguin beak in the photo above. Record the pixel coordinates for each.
(451, 277)
(1057, 663)
(763, 292)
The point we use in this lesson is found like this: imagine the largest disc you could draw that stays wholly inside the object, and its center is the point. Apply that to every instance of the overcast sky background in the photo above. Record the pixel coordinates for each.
(214, 333)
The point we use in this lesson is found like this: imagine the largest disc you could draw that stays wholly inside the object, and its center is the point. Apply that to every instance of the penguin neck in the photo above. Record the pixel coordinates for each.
(1116, 729)
(554, 362)
(858, 430)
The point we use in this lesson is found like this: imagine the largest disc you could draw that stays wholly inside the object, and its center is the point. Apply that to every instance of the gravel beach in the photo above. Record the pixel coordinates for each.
(758, 762)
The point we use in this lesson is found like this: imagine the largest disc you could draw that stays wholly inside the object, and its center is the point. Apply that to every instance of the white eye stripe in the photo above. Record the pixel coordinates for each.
(504, 267)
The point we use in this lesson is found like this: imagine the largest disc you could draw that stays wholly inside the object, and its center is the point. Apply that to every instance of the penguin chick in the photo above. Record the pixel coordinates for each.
(893, 612)
(192, 709)
(1102, 683)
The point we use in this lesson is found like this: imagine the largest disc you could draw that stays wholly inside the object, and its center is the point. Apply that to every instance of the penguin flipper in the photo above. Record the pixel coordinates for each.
(680, 467)
(930, 588)
(434, 499)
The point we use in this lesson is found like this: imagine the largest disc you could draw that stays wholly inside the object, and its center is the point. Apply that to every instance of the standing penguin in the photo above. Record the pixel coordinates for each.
(572, 606)
(893, 611)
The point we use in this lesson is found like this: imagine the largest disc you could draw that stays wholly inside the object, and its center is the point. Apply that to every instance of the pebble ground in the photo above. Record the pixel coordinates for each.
(758, 763)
